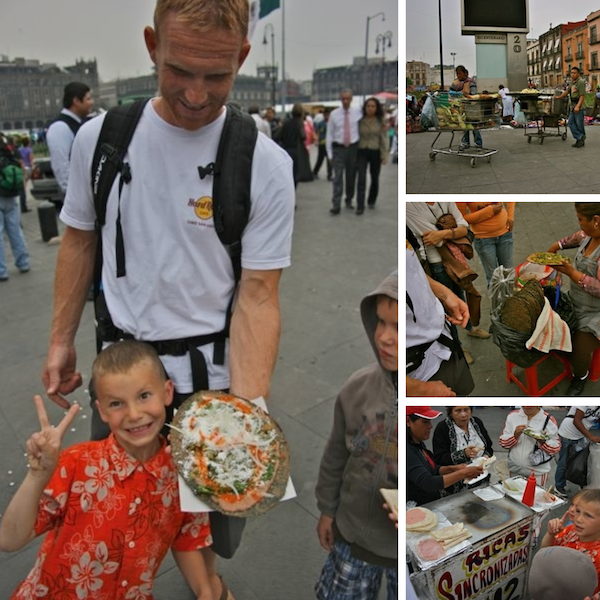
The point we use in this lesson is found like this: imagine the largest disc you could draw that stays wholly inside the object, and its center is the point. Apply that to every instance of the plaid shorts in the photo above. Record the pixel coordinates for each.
(347, 578)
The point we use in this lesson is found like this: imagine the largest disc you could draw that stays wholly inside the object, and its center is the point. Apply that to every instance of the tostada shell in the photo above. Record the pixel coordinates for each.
(181, 453)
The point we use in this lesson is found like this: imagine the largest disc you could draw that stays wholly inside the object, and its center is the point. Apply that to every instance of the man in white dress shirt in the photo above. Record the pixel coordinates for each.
(342, 148)
(77, 104)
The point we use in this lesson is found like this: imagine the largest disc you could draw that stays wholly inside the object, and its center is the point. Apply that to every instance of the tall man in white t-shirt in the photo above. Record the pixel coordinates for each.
(575, 426)
(179, 277)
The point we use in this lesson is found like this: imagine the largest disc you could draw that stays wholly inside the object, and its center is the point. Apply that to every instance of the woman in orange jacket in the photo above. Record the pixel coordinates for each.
(492, 223)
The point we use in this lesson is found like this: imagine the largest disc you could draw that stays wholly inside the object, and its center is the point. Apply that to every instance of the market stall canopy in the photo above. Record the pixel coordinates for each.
(386, 96)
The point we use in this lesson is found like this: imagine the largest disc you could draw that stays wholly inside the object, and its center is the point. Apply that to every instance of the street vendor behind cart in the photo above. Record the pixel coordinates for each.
(465, 84)
(424, 479)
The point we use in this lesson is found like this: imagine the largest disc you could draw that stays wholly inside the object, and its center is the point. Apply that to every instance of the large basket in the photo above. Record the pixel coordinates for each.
(477, 111)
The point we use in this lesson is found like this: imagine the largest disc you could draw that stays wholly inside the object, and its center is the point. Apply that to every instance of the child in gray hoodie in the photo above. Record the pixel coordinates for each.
(361, 457)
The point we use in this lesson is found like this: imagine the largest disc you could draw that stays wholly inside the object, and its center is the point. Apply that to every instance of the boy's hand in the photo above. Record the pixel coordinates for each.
(557, 525)
(43, 447)
(325, 532)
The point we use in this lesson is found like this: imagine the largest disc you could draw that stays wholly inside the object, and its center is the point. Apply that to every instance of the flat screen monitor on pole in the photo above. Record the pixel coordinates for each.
(485, 15)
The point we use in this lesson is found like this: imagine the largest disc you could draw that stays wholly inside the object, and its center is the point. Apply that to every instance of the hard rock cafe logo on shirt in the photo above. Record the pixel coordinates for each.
(202, 207)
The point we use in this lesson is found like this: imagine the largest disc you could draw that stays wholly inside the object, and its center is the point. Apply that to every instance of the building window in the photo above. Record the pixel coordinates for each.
(594, 60)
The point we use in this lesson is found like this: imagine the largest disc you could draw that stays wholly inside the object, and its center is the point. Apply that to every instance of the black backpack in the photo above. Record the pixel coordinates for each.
(73, 124)
(231, 174)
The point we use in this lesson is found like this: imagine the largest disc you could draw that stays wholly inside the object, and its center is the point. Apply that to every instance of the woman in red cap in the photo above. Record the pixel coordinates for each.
(424, 479)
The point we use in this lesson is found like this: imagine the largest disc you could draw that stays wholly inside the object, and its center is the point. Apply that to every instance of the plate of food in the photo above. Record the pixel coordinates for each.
(550, 259)
(536, 435)
(231, 453)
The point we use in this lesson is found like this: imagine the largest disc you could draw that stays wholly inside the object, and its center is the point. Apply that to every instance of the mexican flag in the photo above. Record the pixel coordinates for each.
(267, 7)
(259, 9)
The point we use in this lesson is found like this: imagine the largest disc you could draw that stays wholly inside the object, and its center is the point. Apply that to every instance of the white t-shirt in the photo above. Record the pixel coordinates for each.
(425, 321)
(591, 415)
(179, 276)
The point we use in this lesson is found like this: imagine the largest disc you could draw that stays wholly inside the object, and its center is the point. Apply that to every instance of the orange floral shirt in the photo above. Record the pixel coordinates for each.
(110, 520)
(568, 537)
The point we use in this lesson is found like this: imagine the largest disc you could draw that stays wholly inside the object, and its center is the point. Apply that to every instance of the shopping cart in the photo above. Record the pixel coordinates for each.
(547, 112)
(455, 113)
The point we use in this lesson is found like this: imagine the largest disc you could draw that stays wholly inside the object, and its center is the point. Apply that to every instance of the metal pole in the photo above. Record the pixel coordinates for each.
(274, 69)
(283, 81)
(366, 67)
(441, 53)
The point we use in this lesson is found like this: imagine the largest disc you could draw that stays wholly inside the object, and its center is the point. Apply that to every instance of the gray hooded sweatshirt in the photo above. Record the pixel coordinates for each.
(361, 455)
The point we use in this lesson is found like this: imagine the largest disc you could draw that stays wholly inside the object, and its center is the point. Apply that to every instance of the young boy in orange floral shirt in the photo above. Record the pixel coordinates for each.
(110, 509)
(584, 533)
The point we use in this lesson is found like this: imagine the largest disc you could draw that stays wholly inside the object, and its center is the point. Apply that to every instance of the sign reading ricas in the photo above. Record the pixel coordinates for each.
(485, 15)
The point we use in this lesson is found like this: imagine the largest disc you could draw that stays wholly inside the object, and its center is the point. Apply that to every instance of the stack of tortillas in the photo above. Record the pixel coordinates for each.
(450, 536)
(420, 520)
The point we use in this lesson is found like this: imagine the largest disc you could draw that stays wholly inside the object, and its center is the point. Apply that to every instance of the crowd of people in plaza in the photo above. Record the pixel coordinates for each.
(462, 437)
(440, 240)
(109, 508)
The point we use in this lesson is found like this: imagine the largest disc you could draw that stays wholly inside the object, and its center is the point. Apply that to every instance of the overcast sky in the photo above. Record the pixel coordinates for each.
(319, 33)
(422, 32)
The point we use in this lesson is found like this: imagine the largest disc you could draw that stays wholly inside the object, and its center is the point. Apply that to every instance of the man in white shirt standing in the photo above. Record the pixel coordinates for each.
(575, 426)
(342, 149)
(77, 104)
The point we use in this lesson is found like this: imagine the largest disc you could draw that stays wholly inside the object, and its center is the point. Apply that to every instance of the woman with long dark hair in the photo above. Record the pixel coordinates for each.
(291, 138)
(372, 152)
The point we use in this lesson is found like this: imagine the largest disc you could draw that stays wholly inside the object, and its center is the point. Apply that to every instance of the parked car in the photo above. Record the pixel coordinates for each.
(43, 184)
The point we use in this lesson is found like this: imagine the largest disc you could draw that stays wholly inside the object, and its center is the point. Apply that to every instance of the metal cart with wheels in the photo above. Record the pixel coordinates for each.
(456, 113)
(549, 113)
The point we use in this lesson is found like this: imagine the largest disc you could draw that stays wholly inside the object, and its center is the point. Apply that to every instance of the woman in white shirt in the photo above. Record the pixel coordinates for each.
(520, 445)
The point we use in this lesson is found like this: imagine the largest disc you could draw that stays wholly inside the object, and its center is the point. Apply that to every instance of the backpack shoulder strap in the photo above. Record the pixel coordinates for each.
(73, 124)
(232, 180)
(116, 133)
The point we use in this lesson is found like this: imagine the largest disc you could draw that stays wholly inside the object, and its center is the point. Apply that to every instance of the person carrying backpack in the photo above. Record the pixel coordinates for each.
(167, 275)
(11, 182)
(77, 104)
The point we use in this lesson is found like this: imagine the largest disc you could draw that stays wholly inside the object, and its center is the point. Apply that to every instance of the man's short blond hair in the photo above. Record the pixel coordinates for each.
(204, 15)
(121, 356)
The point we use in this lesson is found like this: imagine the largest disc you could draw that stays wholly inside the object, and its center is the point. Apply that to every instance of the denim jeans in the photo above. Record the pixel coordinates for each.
(494, 252)
(476, 138)
(10, 221)
(439, 274)
(560, 478)
(576, 124)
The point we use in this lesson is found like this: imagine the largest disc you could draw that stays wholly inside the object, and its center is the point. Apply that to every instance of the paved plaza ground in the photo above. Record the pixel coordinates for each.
(336, 260)
(519, 167)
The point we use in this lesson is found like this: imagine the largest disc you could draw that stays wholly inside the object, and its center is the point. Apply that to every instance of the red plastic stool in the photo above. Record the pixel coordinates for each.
(531, 387)
(595, 366)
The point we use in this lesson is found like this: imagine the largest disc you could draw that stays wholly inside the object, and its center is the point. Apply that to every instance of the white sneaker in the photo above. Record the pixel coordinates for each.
(464, 146)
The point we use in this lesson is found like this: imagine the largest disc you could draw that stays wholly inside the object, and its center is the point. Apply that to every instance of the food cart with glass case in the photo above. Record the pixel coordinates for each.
(494, 563)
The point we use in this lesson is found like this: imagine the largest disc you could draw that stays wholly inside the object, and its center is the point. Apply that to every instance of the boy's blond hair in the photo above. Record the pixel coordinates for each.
(122, 356)
(204, 15)
(592, 496)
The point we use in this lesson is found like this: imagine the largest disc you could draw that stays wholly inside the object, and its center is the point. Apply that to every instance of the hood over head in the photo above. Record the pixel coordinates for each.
(368, 306)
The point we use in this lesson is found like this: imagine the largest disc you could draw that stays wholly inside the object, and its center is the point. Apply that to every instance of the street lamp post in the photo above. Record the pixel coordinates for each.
(441, 52)
(383, 38)
(273, 68)
(364, 90)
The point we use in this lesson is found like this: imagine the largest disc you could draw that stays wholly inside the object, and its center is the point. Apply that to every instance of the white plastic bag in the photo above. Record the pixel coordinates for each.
(593, 480)
(501, 287)
(428, 114)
